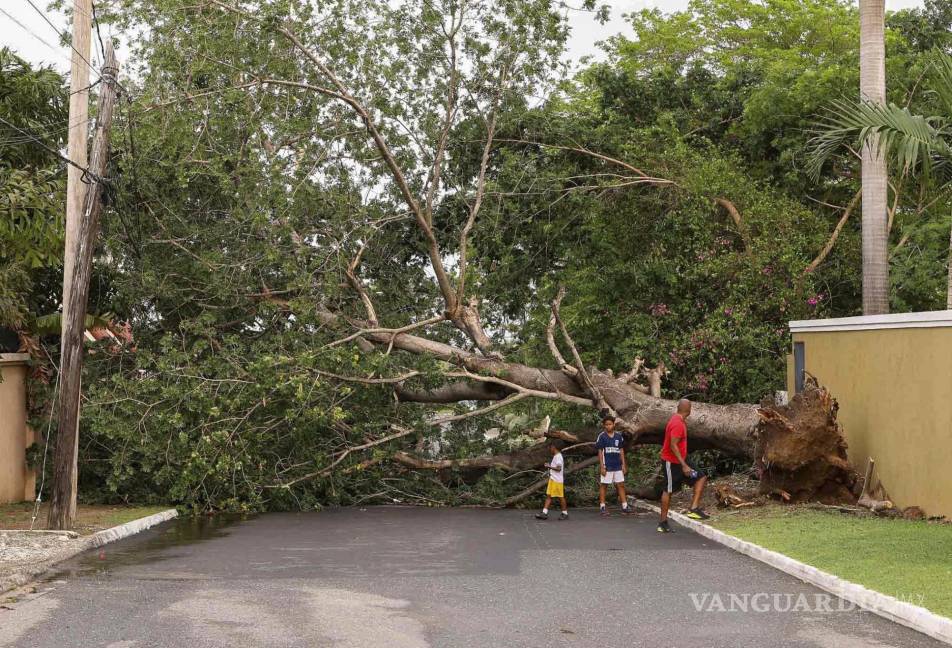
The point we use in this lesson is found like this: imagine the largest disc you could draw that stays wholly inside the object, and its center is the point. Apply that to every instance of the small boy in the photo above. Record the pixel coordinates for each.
(556, 487)
(611, 456)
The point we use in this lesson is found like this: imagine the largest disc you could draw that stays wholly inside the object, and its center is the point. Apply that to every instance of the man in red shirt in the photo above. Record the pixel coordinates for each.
(675, 469)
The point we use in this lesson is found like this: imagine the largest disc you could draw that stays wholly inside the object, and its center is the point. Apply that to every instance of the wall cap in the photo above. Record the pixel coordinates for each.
(928, 319)
(14, 358)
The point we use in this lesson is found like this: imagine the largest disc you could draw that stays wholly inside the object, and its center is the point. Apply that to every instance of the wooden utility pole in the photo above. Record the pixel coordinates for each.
(77, 145)
(78, 137)
(63, 501)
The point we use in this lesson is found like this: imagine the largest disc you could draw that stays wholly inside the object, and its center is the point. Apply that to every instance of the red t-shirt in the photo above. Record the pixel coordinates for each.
(675, 428)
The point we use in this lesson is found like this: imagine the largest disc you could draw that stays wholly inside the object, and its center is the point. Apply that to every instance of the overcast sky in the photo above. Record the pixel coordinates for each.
(38, 42)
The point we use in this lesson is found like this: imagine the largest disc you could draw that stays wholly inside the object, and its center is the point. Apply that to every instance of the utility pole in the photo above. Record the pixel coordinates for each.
(76, 150)
(78, 138)
(63, 501)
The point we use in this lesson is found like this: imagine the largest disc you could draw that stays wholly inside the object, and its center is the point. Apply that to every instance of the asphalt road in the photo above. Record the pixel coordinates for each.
(413, 578)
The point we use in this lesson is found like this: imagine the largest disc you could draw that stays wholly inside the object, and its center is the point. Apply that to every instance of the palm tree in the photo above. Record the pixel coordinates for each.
(872, 88)
(913, 143)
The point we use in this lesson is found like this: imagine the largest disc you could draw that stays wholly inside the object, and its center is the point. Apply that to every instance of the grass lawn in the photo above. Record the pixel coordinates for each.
(909, 560)
(89, 518)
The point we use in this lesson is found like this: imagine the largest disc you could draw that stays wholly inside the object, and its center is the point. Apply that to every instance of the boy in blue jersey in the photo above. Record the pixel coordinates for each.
(612, 465)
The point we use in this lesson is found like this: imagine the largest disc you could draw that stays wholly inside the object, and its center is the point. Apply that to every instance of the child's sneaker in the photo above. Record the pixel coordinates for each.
(563, 516)
(603, 512)
(626, 511)
(664, 528)
(542, 516)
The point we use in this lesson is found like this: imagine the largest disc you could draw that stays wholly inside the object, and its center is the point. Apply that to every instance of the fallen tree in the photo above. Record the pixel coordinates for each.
(799, 450)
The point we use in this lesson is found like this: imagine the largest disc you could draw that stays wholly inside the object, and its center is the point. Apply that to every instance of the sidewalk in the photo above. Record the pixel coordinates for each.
(25, 555)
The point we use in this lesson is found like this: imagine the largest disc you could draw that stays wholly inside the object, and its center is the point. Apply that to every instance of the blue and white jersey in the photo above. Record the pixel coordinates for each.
(612, 446)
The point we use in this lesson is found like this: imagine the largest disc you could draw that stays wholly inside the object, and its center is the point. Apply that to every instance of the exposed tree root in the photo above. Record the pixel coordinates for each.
(800, 449)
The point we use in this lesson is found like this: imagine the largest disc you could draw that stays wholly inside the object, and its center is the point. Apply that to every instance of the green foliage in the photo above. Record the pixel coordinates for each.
(32, 180)
(237, 211)
(241, 201)
(917, 147)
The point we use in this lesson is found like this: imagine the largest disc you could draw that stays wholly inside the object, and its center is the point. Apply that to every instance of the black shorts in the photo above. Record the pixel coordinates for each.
(673, 477)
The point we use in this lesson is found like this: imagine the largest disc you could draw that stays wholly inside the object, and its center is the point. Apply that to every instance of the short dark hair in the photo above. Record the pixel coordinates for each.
(554, 444)
(607, 417)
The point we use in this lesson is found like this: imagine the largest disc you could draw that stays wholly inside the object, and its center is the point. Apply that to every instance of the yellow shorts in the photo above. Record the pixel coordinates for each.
(555, 489)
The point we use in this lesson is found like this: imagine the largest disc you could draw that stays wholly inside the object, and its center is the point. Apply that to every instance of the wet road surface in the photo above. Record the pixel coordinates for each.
(417, 578)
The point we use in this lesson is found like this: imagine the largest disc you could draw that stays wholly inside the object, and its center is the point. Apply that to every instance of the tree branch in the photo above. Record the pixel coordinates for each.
(368, 380)
(579, 465)
(736, 217)
(556, 395)
(579, 365)
(451, 97)
(821, 257)
(482, 410)
(454, 392)
(393, 332)
(550, 335)
(401, 432)
(480, 189)
(355, 283)
(339, 91)
(644, 178)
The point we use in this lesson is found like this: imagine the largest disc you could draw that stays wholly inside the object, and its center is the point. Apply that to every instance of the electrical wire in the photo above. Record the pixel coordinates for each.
(87, 174)
(31, 32)
(102, 48)
(46, 448)
(61, 34)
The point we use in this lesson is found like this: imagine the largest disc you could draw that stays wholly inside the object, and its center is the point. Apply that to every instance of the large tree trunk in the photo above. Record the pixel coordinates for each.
(872, 58)
(799, 448)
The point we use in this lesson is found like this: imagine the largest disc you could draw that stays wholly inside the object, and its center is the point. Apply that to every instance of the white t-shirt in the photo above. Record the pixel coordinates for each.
(557, 476)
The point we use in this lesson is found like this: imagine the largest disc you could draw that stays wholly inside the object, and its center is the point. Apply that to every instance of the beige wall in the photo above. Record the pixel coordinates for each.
(894, 387)
(16, 482)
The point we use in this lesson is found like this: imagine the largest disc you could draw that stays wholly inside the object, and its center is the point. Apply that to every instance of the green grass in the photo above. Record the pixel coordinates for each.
(89, 518)
(909, 560)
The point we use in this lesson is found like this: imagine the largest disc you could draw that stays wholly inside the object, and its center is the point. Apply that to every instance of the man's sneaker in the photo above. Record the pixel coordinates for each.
(563, 515)
(697, 514)
(664, 528)
(542, 516)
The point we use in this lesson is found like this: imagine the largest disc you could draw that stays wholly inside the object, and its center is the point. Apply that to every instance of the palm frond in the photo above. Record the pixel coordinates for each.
(909, 141)
(941, 81)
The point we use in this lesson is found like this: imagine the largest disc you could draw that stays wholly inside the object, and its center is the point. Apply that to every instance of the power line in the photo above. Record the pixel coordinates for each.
(31, 32)
(43, 130)
(62, 35)
(86, 172)
(102, 47)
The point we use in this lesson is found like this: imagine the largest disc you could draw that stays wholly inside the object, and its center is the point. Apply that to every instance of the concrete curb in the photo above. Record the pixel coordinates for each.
(97, 539)
(106, 536)
(912, 616)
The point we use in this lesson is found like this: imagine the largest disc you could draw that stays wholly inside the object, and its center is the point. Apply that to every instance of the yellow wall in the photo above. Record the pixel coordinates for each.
(16, 482)
(894, 387)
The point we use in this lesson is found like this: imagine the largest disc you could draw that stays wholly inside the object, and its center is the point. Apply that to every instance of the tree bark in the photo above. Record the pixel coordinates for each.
(873, 88)
(65, 471)
(798, 449)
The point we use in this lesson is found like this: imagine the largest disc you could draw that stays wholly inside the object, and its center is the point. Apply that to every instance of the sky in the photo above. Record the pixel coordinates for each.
(37, 41)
